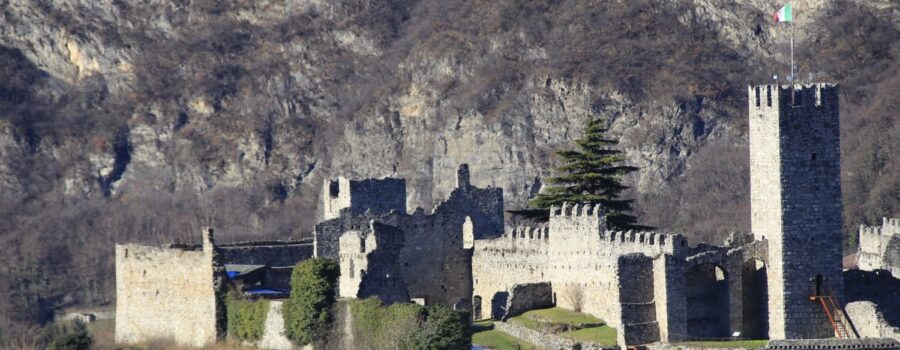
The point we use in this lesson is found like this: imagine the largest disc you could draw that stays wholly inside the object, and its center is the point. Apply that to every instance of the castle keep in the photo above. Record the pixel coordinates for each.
(783, 281)
(796, 201)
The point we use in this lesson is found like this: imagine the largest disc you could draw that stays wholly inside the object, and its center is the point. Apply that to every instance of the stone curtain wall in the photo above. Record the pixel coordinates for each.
(879, 247)
(528, 296)
(574, 253)
(166, 293)
(273, 253)
(796, 200)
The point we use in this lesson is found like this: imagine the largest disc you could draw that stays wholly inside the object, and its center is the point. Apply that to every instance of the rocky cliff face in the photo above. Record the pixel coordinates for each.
(245, 107)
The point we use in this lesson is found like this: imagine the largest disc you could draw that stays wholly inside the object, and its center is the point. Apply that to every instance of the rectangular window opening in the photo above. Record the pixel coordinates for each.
(757, 96)
(334, 189)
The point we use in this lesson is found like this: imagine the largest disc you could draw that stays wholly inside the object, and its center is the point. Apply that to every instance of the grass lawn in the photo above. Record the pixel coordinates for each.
(729, 344)
(558, 315)
(486, 336)
(603, 335)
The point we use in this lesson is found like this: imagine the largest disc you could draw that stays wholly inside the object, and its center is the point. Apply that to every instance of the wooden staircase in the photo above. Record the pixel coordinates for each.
(836, 315)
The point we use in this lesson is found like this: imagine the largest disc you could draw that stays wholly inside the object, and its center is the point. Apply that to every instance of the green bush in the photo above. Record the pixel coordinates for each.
(80, 340)
(379, 327)
(408, 326)
(246, 318)
(308, 312)
(444, 329)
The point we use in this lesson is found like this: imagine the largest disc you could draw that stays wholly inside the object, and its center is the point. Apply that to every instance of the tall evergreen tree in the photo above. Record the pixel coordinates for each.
(592, 174)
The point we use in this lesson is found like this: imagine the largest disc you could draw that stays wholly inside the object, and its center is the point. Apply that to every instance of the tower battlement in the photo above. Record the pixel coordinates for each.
(575, 210)
(821, 95)
(529, 232)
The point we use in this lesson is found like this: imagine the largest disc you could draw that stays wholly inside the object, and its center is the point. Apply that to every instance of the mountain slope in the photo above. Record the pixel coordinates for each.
(143, 122)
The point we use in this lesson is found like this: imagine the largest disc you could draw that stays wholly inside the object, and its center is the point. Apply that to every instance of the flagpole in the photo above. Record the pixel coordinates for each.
(793, 78)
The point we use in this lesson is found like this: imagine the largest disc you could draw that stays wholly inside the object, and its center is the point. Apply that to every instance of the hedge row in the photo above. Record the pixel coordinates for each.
(408, 326)
(246, 318)
(308, 312)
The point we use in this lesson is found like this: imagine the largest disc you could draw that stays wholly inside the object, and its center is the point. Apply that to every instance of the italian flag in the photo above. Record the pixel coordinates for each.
(785, 14)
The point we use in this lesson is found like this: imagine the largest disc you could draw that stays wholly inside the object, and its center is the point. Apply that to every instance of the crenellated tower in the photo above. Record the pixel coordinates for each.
(796, 201)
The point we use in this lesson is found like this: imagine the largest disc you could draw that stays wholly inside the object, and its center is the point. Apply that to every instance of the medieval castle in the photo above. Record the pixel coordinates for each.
(784, 281)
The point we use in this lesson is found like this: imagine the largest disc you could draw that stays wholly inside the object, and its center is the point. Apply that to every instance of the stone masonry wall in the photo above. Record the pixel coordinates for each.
(434, 261)
(869, 321)
(167, 293)
(359, 196)
(879, 247)
(879, 287)
(369, 262)
(796, 200)
(273, 254)
(574, 252)
(638, 324)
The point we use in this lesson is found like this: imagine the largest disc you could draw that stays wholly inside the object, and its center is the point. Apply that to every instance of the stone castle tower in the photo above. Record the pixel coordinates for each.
(796, 202)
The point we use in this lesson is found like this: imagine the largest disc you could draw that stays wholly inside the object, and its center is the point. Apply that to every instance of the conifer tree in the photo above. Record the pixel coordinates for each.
(591, 174)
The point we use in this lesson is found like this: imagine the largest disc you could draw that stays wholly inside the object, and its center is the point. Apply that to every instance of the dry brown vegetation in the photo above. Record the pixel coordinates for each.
(55, 250)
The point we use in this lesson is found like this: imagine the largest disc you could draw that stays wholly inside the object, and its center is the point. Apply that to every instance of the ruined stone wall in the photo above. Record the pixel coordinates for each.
(435, 262)
(369, 262)
(359, 196)
(879, 247)
(796, 200)
(879, 287)
(869, 321)
(528, 296)
(167, 293)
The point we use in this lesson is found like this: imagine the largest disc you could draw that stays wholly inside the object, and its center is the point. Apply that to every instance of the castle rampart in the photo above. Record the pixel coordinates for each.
(576, 255)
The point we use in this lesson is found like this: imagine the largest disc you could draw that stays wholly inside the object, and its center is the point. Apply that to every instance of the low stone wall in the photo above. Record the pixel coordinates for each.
(869, 322)
(847, 344)
(544, 340)
(528, 296)
(676, 346)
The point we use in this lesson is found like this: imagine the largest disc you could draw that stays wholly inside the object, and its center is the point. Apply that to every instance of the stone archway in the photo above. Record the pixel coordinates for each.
(498, 305)
(476, 307)
(754, 300)
(707, 301)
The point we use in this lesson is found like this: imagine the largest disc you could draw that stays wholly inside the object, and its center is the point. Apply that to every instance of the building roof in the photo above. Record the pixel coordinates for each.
(239, 270)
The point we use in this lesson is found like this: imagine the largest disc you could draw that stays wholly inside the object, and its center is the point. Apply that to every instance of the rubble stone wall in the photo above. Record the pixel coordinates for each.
(167, 293)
